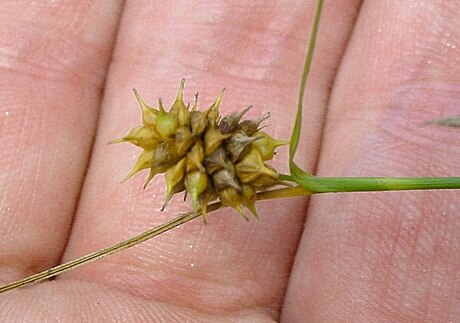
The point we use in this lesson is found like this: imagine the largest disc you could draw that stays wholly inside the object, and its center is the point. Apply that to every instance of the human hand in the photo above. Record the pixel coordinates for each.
(68, 70)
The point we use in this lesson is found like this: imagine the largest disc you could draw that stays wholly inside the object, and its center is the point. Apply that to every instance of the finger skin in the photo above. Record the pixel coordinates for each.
(256, 51)
(53, 62)
(387, 257)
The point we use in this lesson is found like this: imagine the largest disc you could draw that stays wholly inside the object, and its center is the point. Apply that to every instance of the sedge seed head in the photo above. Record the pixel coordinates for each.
(209, 156)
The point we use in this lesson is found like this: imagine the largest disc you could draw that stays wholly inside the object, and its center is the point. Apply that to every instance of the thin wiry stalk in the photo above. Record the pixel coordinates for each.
(59, 269)
(295, 137)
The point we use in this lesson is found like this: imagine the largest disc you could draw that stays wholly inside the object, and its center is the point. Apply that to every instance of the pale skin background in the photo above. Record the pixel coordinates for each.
(381, 69)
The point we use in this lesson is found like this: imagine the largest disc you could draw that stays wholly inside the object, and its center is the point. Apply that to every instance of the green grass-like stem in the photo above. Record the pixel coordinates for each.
(294, 142)
(316, 184)
(362, 184)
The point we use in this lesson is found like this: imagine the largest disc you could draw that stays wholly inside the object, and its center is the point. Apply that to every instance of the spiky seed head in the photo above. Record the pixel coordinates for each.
(209, 156)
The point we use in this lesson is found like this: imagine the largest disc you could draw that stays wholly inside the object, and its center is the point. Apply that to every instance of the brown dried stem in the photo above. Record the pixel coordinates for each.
(183, 218)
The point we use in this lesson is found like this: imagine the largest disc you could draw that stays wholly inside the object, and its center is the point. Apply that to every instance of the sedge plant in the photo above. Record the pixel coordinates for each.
(222, 162)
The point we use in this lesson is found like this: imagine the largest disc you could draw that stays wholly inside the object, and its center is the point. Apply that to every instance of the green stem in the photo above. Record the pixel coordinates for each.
(303, 81)
(361, 184)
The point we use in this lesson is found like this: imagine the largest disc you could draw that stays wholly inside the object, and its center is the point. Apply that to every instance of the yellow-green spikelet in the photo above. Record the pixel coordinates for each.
(209, 156)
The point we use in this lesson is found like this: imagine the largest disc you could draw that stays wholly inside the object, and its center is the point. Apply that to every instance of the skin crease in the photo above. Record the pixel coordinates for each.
(380, 70)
